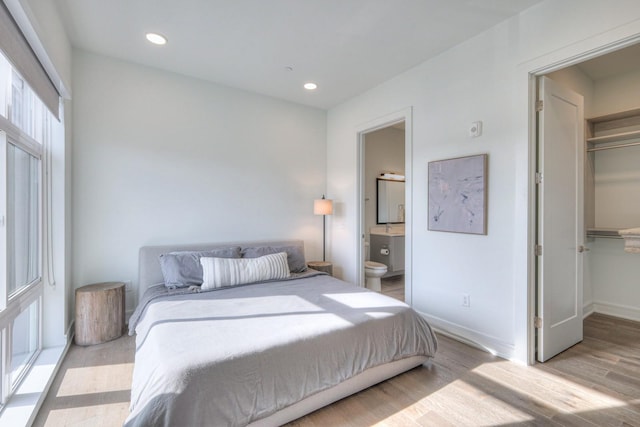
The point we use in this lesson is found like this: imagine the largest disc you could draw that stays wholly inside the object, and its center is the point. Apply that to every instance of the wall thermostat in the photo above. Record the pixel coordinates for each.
(475, 129)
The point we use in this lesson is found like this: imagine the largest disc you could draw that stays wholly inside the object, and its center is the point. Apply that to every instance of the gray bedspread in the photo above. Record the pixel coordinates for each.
(236, 355)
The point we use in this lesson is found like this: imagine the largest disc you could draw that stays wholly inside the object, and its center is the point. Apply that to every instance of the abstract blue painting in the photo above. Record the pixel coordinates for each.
(458, 195)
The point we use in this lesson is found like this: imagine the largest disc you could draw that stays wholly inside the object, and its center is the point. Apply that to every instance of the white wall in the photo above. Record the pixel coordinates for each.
(616, 93)
(161, 158)
(485, 78)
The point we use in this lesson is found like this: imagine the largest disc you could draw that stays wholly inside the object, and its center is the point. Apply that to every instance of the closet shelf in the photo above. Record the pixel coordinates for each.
(610, 147)
(609, 233)
(622, 136)
(622, 127)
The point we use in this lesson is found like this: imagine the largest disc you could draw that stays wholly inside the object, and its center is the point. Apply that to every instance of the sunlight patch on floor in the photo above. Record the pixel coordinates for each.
(453, 399)
(89, 416)
(564, 395)
(489, 410)
(96, 379)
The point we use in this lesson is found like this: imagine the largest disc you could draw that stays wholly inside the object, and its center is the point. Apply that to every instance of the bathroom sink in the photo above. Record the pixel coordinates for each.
(388, 230)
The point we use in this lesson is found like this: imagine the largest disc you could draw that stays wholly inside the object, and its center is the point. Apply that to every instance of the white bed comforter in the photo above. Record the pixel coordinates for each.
(236, 355)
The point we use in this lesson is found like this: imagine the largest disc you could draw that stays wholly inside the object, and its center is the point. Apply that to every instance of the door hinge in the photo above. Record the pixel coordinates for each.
(538, 178)
(539, 105)
(1, 220)
(538, 250)
(537, 322)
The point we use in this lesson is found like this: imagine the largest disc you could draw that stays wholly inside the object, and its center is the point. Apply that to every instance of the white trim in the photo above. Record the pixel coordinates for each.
(617, 310)
(472, 337)
(405, 115)
(553, 62)
(4, 179)
(587, 310)
(532, 222)
(21, 139)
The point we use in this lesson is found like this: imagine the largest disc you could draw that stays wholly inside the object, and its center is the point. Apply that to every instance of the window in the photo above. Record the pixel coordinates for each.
(25, 342)
(23, 218)
(25, 126)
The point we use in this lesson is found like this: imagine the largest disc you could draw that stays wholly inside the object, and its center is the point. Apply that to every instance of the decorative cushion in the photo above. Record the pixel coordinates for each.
(219, 272)
(295, 255)
(183, 269)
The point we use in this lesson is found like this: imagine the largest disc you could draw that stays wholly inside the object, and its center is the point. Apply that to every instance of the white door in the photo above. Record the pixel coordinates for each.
(560, 218)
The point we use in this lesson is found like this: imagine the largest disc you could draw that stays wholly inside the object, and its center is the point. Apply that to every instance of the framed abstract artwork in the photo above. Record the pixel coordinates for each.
(458, 195)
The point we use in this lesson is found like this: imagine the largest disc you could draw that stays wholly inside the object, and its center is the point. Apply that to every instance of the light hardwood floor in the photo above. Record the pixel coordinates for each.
(595, 383)
(393, 286)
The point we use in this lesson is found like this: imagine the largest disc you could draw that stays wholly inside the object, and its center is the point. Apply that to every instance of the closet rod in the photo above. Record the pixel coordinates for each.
(613, 146)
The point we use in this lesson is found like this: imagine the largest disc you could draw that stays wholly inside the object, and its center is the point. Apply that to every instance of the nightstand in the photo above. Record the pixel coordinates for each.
(325, 266)
(99, 313)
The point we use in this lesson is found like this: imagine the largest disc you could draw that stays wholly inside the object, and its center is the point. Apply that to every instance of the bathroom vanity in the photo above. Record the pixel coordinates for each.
(387, 247)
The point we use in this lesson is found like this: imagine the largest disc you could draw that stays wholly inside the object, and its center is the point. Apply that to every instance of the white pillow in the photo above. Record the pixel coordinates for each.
(219, 272)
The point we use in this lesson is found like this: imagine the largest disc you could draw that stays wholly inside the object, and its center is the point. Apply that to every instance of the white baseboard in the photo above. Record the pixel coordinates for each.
(469, 336)
(616, 310)
(587, 310)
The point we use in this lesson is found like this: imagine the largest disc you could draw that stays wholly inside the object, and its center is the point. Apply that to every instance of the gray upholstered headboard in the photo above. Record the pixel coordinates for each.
(149, 272)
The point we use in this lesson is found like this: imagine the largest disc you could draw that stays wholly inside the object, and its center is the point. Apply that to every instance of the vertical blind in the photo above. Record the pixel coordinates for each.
(18, 51)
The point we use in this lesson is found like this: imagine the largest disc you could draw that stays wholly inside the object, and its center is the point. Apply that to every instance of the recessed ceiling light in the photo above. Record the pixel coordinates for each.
(156, 38)
(310, 86)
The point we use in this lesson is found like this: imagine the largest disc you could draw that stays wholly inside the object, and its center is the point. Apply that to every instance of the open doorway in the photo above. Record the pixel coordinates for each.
(385, 205)
(610, 150)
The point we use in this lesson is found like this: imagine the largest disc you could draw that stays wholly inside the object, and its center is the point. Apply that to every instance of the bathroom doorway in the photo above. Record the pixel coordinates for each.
(385, 202)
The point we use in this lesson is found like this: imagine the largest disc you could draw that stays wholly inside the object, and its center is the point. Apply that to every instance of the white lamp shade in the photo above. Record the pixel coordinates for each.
(323, 207)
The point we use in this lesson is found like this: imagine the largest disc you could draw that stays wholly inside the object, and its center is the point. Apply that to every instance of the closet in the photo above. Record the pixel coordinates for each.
(617, 186)
(610, 85)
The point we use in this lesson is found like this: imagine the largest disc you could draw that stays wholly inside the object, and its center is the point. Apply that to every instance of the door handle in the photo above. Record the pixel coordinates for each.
(582, 249)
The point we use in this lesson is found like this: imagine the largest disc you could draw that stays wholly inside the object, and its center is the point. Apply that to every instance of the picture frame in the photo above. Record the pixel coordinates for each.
(457, 198)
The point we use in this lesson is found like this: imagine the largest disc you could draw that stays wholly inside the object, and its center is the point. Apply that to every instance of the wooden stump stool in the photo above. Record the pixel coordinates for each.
(99, 313)
(325, 266)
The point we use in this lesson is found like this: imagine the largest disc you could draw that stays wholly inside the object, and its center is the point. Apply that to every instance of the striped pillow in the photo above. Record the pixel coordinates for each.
(219, 272)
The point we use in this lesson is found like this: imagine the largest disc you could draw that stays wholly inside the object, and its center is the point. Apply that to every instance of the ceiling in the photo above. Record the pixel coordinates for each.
(272, 47)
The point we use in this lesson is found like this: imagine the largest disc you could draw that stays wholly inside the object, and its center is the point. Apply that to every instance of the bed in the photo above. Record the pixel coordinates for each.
(265, 353)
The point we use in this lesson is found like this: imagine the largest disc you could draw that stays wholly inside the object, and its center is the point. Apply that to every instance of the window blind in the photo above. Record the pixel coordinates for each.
(18, 51)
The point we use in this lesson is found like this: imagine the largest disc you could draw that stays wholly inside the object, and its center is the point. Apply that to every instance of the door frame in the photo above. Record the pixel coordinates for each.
(549, 67)
(404, 115)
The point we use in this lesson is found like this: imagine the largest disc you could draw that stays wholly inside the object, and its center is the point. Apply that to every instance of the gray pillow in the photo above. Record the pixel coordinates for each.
(295, 255)
(183, 269)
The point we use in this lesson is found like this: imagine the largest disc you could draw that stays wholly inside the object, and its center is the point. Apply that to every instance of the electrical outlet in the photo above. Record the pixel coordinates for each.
(127, 285)
(466, 300)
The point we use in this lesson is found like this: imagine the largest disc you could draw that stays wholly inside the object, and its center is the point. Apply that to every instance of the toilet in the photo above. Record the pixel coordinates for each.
(373, 271)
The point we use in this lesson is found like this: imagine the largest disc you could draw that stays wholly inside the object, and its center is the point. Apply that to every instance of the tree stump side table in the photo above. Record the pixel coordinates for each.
(99, 313)
(325, 266)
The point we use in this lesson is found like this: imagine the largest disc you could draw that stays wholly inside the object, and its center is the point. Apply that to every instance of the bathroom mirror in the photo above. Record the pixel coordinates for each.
(390, 207)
